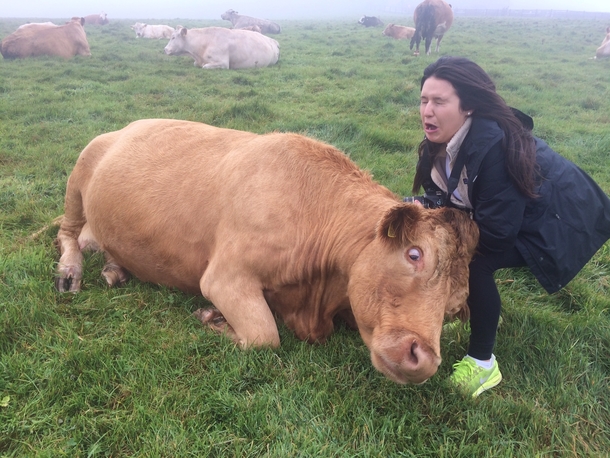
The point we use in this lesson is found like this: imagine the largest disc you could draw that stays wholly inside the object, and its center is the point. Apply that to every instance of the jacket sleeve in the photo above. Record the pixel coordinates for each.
(498, 205)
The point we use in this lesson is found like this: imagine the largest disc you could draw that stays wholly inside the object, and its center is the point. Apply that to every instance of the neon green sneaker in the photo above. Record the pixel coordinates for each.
(472, 379)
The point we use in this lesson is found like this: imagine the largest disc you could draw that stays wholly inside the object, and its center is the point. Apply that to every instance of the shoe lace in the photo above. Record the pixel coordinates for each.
(463, 370)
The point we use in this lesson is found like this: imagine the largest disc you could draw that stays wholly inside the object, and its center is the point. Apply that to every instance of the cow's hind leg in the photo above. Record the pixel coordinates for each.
(438, 42)
(212, 318)
(114, 274)
(70, 266)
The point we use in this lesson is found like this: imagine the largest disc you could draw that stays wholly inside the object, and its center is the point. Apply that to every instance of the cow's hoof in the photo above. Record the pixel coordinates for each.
(115, 275)
(212, 318)
(67, 284)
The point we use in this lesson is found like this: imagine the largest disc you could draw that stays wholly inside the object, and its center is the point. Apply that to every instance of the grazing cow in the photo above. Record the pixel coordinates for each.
(240, 22)
(152, 31)
(65, 41)
(370, 21)
(432, 19)
(604, 49)
(96, 19)
(264, 225)
(399, 32)
(218, 47)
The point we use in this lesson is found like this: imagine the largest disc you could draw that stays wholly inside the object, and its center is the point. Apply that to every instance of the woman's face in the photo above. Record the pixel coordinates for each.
(441, 115)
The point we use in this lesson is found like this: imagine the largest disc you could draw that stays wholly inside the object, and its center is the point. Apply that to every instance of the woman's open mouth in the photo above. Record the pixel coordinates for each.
(430, 127)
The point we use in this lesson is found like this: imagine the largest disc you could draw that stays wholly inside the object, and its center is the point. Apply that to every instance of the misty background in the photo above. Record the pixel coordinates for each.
(270, 9)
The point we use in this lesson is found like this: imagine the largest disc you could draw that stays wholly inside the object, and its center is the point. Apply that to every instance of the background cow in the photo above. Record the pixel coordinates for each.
(399, 32)
(370, 21)
(239, 22)
(432, 19)
(38, 24)
(604, 49)
(65, 41)
(253, 28)
(96, 19)
(152, 31)
(218, 47)
(264, 224)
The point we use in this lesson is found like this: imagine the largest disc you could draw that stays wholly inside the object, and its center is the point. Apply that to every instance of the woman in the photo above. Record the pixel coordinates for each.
(533, 207)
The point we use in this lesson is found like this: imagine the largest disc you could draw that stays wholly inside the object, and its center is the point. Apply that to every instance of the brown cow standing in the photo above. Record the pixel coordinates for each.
(432, 19)
(604, 49)
(65, 41)
(399, 32)
(269, 224)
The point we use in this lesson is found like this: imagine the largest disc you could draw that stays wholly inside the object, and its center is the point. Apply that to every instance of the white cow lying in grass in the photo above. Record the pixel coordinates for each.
(218, 47)
(152, 31)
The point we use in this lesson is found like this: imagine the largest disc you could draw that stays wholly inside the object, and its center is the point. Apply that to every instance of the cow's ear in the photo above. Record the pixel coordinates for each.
(183, 31)
(398, 225)
(465, 229)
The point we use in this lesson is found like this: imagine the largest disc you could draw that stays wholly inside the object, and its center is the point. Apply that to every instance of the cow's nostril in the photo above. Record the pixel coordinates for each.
(412, 354)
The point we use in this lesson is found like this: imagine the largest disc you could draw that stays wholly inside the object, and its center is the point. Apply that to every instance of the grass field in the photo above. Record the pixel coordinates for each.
(129, 372)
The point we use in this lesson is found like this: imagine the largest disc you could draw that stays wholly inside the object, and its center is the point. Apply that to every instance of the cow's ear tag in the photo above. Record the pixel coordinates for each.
(391, 232)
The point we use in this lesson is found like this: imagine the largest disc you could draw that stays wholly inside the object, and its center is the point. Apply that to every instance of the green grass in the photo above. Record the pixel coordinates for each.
(128, 372)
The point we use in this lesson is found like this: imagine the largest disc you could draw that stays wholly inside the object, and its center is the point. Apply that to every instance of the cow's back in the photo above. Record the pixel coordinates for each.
(252, 49)
(242, 48)
(221, 182)
(64, 41)
(265, 25)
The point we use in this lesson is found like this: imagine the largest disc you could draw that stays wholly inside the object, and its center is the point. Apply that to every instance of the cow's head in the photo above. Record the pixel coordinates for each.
(405, 281)
(228, 15)
(176, 44)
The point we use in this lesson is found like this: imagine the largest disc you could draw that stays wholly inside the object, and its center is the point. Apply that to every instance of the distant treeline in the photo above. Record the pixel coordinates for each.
(505, 12)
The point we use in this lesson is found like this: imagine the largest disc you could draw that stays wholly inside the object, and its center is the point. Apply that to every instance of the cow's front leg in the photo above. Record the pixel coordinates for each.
(240, 300)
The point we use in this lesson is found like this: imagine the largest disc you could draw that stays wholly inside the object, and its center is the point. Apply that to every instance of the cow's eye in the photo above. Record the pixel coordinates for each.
(414, 254)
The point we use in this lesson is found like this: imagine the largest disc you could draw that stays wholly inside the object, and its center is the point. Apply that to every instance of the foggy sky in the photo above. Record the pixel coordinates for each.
(271, 9)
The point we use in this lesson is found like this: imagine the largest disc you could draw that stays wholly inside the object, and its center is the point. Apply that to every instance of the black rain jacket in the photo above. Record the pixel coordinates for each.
(557, 232)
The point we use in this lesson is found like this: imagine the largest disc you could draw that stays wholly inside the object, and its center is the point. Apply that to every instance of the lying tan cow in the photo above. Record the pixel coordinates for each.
(604, 49)
(399, 32)
(65, 41)
(218, 47)
(269, 224)
(240, 21)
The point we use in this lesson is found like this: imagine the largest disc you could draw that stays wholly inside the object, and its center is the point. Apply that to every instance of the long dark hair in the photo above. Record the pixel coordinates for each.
(477, 93)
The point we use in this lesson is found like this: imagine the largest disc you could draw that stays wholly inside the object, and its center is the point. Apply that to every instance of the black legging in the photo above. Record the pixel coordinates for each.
(484, 300)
